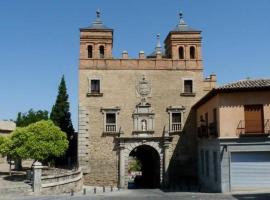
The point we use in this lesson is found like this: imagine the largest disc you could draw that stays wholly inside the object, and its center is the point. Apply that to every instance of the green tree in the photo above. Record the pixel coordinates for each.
(61, 116)
(32, 116)
(38, 141)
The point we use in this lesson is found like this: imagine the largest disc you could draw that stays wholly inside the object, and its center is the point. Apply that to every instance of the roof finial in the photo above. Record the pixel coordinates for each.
(181, 21)
(181, 15)
(98, 13)
(158, 47)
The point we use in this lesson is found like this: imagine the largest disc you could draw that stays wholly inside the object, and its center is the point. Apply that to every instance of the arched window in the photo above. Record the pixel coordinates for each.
(181, 52)
(90, 51)
(192, 52)
(101, 51)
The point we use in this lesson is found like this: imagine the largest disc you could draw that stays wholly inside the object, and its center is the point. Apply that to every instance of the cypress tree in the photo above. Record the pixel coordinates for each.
(61, 117)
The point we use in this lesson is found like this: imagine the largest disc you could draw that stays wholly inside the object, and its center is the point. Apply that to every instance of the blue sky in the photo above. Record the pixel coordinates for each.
(39, 41)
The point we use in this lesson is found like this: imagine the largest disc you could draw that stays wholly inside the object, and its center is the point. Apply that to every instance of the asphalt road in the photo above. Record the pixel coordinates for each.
(146, 195)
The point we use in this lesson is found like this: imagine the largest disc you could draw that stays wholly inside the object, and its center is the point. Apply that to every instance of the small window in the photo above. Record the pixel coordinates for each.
(95, 86)
(188, 86)
(101, 51)
(215, 164)
(181, 52)
(202, 161)
(90, 51)
(207, 163)
(192, 52)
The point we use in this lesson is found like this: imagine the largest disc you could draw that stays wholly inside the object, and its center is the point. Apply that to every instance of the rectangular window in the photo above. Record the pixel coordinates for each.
(254, 121)
(202, 161)
(188, 86)
(207, 163)
(176, 122)
(215, 164)
(110, 122)
(110, 118)
(95, 86)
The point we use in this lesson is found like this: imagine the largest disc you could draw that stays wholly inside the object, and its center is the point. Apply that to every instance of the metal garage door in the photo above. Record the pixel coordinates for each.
(250, 170)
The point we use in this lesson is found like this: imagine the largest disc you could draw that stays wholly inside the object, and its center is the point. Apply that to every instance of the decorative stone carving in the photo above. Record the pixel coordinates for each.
(143, 87)
(143, 119)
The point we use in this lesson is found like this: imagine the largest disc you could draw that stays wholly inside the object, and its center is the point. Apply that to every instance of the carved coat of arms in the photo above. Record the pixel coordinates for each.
(143, 87)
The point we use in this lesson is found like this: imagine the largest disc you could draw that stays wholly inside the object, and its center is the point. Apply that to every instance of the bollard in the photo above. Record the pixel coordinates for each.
(72, 193)
(95, 190)
(111, 188)
(84, 191)
(103, 188)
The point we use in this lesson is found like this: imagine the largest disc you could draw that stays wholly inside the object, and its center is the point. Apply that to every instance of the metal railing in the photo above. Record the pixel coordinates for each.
(253, 127)
(110, 127)
(176, 127)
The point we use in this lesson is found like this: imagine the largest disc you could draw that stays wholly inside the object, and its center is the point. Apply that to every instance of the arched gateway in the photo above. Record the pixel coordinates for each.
(149, 161)
(152, 152)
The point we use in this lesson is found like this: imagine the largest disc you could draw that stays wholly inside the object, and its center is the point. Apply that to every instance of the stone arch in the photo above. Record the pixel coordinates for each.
(129, 147)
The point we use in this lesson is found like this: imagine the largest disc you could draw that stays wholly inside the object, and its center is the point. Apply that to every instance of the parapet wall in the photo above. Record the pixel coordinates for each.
(139, 64)
(62, 183)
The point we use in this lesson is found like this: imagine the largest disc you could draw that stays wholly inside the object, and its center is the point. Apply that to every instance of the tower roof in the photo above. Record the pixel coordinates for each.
(158, 49)
(182, 26)
(97, 24)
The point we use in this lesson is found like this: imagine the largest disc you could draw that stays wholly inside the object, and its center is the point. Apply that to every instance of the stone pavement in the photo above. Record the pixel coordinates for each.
(15, 184)
(153, 194)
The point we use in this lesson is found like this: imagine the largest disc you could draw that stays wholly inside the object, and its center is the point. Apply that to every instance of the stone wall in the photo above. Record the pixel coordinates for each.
(98, 152)
(64, 182)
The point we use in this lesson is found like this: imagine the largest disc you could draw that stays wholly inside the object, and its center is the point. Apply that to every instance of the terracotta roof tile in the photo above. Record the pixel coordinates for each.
(246, 84)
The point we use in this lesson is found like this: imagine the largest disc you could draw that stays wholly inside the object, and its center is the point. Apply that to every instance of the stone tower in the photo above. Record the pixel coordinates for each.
(139, 107)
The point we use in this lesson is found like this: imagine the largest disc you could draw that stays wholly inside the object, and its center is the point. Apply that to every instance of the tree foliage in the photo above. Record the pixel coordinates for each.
(37, 141)
(32, 116)
(60, 114)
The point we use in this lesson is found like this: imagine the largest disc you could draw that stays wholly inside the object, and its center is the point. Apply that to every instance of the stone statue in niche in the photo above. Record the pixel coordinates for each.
(144, 125)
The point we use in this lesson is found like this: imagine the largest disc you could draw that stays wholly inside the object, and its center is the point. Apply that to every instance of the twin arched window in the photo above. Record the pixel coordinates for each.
(90, 51)
(192, 52)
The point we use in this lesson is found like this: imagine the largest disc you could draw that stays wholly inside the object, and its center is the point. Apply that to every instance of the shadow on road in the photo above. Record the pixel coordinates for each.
(261, 196)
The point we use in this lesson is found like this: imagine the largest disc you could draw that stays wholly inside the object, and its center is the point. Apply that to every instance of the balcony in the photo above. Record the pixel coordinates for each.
(110, 128)
(176, 127)
(253, 128)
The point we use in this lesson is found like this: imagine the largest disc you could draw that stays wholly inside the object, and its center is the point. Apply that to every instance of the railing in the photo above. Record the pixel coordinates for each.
(176, 127)
(253, 127)
(110, 127)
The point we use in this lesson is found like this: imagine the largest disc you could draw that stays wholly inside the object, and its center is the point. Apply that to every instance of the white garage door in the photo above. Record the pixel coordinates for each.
(250, 171)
